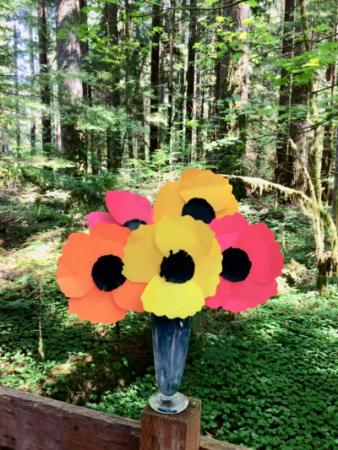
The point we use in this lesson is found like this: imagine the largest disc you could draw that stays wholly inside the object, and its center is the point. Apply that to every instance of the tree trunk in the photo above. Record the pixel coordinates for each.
(329, 135)
(239, 76)
(171, 70)
(221, 87)
(17, 91)
(190, 75)
(297, 162)
(155, 75)
(32, 86)
(129, 76)
(335, 189)
(232, 89)
(282, 175)
(45, 90)
(114, 145)
(70, 87)
(238, 81)
(180, 96)
(87, 89)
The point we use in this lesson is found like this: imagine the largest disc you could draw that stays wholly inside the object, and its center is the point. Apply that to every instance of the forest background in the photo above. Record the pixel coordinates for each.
(103, 94)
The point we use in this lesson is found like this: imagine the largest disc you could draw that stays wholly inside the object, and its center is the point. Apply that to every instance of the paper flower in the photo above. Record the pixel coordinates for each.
(127, 209)
(90, 273)
(200, 194)
(252, 261)
(180, 259)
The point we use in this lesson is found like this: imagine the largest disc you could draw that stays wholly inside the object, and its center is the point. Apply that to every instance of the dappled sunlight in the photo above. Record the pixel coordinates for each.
(57, 194)
(38, 256)
(27, 197)
(110, 95)
(254, 371)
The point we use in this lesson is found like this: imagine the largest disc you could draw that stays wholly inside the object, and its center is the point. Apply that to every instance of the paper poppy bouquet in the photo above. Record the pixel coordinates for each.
(191, 249)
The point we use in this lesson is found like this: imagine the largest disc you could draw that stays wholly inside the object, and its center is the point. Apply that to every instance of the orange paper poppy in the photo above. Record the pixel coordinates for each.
(89, 273)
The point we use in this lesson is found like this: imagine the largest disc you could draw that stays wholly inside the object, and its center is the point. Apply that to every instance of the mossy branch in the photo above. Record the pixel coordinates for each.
(309, 203)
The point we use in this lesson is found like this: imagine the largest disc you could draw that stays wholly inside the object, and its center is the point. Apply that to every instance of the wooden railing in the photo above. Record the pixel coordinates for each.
(28, 422)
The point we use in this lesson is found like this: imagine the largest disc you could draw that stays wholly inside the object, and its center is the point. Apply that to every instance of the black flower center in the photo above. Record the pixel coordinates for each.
(177, 267)
(107, 273)
(199, 209)
(133, 224)
(236, 264)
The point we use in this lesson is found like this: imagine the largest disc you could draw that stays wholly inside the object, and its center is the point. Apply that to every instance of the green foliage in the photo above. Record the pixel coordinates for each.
(82, 190)
(266, 380)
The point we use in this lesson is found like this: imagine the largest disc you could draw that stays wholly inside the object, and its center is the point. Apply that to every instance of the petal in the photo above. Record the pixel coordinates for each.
(75, 264)
(216, 189)
(97, 307)
(168, 201)
(128, 296)
(71, 283)
(208, 269)
(125, 206)
(228, 228)
(229, 224)
(184, 233)
(264, 252)
(172, 299)
(142, 259)
(231, 207)
(237, 297)
(222, 293)
(109, 239)
(98, 217)
(251, 294)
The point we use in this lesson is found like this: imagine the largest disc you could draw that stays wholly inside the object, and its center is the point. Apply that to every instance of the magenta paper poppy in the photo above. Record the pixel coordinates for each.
(125, 208)
(252, 261)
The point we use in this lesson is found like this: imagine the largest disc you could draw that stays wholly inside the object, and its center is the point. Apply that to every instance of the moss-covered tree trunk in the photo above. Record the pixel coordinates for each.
(329, 135)
(335, 189)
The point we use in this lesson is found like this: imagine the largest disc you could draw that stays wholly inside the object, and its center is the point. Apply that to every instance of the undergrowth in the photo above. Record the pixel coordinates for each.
(267, 379)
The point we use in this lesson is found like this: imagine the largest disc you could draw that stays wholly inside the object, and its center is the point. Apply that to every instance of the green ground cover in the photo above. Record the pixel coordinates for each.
(267, 379)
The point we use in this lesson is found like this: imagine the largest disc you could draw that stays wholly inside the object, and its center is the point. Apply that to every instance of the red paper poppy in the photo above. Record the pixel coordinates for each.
(90, 273)
(252, 261)
(127, 209)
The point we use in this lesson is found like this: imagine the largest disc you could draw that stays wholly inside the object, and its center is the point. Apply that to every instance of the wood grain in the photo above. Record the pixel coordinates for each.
(28, 422)
(171, 432)
(36, 423)
(213, 444)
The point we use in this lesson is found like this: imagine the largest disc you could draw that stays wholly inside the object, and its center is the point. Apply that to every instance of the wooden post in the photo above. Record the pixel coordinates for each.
(171, 431)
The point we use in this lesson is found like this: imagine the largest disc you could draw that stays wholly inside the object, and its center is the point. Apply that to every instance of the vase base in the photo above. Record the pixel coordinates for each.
(168, 404)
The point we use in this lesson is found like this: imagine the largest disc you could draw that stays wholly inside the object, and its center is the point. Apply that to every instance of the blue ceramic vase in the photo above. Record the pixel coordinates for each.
(170, 346)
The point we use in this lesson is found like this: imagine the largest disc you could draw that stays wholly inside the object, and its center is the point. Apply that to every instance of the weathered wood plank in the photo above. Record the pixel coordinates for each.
(36, 423)
(28, 422)
(171, 432)
(212, 444)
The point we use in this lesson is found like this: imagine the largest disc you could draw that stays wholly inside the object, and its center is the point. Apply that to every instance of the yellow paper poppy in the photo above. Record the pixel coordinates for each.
(180, 259)
(200, 194)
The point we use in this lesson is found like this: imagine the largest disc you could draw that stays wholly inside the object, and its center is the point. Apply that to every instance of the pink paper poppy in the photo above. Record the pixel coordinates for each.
(125, 208)
(252, 261)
